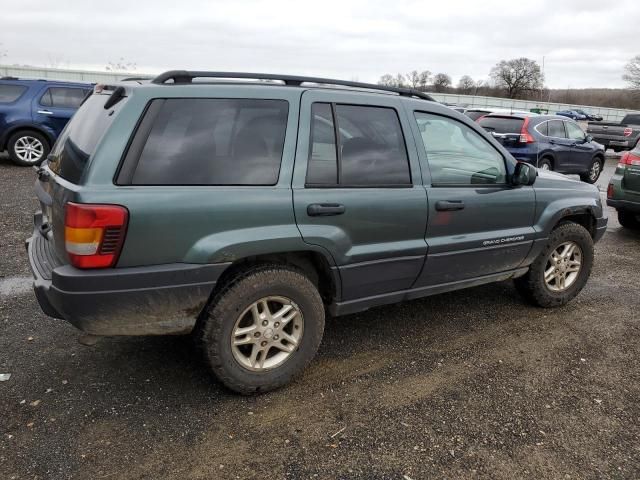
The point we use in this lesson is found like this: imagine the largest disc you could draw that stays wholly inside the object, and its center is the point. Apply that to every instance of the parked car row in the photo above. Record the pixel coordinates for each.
(578, 114)
(33, 113)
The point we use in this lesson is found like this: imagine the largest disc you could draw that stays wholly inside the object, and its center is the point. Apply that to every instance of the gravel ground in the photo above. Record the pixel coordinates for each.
(471, 384)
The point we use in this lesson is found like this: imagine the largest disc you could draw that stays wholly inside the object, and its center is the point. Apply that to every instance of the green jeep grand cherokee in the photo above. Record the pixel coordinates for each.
(623, 193)
(242, 211)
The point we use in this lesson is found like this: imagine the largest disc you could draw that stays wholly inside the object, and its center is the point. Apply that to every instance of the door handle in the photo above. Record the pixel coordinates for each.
(45, 112)
(325, 209)
(449, 205)
(552, 142)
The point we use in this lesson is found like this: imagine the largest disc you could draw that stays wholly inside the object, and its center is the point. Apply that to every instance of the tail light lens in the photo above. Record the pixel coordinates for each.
(94, 234)
(629, 158)
(610, 191)
(627, 132)
(525, 136)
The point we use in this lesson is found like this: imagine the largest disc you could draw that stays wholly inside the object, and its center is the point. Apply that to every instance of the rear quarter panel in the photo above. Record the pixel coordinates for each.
(197, 224)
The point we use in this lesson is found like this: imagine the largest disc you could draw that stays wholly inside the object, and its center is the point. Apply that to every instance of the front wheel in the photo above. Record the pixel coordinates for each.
(263, 329)
(595, 169)
(561, 270)
(28, 148)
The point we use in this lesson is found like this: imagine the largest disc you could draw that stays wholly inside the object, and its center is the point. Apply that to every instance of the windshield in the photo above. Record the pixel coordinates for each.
(80, 137)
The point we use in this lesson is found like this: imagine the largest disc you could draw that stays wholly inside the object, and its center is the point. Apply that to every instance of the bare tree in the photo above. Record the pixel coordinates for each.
(632, 73)
(387, 80)
(121, 65)
(466, 85)
(423, 79)
(413, 78)
(400, 80)
(441, 82)
(518, 76)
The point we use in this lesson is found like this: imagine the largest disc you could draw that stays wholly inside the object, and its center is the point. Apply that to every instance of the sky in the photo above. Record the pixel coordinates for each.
(584, 43)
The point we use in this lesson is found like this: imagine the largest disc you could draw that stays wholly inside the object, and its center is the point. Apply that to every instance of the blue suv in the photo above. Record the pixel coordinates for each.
(549, 142)
(33, 113)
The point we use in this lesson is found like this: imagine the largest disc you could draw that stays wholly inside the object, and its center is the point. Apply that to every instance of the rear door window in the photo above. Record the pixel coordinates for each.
(207, 141)
(370, 150)
(11, 93)
(556, 129)
(543, 129)
(63, 97)
(502, 124)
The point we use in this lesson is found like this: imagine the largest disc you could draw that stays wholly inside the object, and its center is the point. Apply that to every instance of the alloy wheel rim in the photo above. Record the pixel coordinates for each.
(28, 149)
(563, 267)
(545, 166)
(267, 333)
(595, 170)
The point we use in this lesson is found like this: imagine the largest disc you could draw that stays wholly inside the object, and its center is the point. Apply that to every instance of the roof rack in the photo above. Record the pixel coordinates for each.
(136, 79)
(184, 76)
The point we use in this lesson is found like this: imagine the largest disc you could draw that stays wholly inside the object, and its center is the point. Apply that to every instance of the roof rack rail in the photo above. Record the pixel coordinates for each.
(184, 76)
(136, 79)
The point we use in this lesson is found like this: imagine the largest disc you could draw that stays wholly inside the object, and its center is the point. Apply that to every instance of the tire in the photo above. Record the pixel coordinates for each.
(225, 315)
(594, 172)
(533, 286)
(545, 164)
(628, 219)
(23, 147)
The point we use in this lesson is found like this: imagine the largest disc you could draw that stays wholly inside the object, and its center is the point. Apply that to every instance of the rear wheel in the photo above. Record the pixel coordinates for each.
(28, 148)
(545, 164)
(592, 175)
(562, 268)
(629, 219)
(263, 329)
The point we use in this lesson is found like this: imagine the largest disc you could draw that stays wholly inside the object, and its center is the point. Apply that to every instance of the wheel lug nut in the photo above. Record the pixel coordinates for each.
(277, 324)
(276, 337)
(265, 323)
(257, 334)
(264, 344)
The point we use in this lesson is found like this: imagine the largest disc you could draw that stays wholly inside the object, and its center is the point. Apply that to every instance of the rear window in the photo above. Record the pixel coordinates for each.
(80, 137)
(633, 119)
(11, 93)
(213, 141)
(502, 124)
(475, 114)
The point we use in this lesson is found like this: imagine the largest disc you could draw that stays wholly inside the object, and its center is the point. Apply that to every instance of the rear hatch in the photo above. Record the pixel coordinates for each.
(631, 179)
(474, 114)
(505, 129)
(61, 177)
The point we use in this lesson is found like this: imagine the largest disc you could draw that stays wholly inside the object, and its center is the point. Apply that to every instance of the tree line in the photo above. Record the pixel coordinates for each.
(522, 78)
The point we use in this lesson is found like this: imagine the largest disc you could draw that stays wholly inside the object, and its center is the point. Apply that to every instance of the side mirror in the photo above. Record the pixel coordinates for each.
(524, 174)
(588, 139)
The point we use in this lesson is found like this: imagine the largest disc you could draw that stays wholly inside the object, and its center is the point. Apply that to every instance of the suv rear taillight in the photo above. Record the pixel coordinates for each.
(628, 158)
(525, 136)
(94, 234)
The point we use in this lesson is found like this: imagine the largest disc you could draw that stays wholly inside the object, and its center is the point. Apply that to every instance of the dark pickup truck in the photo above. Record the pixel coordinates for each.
(618, 136)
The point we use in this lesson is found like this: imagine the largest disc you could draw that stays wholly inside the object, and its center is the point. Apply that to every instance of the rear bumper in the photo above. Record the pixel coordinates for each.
(624, 205)
(153, 300)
